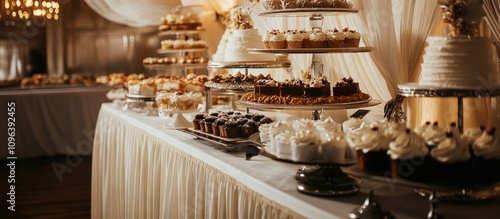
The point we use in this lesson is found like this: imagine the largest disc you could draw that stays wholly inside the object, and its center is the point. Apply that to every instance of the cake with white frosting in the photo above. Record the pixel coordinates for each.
(459, 62)
(243, 37)
(463, 59)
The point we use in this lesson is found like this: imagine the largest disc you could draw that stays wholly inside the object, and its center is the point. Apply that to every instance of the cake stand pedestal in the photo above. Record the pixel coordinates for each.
(416, 90)
(176, 119)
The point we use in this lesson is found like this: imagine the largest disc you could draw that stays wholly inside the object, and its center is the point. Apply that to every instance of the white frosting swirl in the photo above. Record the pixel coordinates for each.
(318, 36)
(277, 127)
(305, 138)
(294, 37)
(433, 135)
(487, 146)
(351, 124)
(451, 150)
(277, 37)
(471, 135)
(352, 35)
(407, 146)
(327, 124)
(336, 36)
(421, 129)
(394, 130)
(305, 34)
(367, 139)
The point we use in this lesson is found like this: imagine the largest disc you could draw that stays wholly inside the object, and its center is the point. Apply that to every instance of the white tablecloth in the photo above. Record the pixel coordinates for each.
(52, 121)
(143, 170)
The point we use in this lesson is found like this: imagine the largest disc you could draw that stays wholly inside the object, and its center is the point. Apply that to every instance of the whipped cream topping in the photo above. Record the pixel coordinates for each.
(264, 128)
(472, 134)
(406, 146)
(368, 139)
(303, 124)
(305, 138)
(394, 129)
(327, 125)
(421, 129)
(277, 37)
(294, 36)
(277, 127)
(433, 134)
(318, 36)
(305, 34)
(336, 35)
(351, 124)
(451, 150)
(352, 35)
(487, 146)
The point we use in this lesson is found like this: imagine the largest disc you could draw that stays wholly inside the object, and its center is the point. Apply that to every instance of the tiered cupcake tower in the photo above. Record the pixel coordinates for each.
(322, 179)
(197, 56)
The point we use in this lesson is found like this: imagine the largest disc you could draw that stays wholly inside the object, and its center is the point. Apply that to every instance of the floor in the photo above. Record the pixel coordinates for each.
(48, 188)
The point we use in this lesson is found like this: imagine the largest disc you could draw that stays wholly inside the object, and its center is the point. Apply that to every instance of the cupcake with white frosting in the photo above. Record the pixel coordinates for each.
(333, 146)
(486, 150)
(306, 42)
(294, 40)
(371, 147)
(305, 146)
(283, 147)
(351, 124)
(408, 155)
(336, 39)
(352, 38)
(452, 162)
(318, 39)
(472, 134)
(277, 40)
(433, 135)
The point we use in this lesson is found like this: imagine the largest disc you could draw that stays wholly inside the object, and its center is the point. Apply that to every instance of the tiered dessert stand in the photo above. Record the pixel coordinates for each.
(234, 90)
(179, 68)
(325, 179)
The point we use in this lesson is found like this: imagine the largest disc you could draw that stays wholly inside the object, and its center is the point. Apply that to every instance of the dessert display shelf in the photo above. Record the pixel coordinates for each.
(249, 65)
(166, 51)
(316, 17)
(229, 144)
(156, 69)
(416, 90)
(307, 12)
(332, 106)
(314, 50)
(179, 32)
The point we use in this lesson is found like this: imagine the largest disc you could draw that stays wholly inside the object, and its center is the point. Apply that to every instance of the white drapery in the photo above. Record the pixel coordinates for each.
(136, 13)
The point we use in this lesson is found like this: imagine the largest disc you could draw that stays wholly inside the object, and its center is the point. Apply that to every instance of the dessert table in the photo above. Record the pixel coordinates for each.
(141, 169)
(52, 121)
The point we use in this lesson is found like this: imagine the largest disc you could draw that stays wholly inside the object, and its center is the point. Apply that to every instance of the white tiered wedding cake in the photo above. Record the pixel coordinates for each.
(463, 59)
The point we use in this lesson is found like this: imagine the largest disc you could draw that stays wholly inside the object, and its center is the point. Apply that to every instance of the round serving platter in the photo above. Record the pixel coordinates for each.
(250, 64)
(417, 90)
(313, 50)
(307, 12)
(163, 51)
(351, 105)
(177, 32)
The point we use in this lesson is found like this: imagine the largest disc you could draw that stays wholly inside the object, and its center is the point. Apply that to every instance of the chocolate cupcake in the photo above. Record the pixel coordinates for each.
(265, 120)
(231, 129)
(248, 129)
(216, 126)
(208, 124)
(197, 119)
(257, 117)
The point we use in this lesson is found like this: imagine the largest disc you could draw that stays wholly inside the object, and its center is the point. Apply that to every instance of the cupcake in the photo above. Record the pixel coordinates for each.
(394, 129)
(294, 40)
(216, 126)
(352, 39)
(487, 157)
(282, 142)
(208, 123)
(306, 42)
(421, 129)
(333, 146)
(197, 119)
(266, 38)
(335, 39)
(318, 39)
(264, 133)
(451, 156)
(305, 146)
(472, 134)
(324, 126)
(265, 120)
(248, 129)
(371, 147)
(275, 129)
(408, 154)
(351, 124)
(230, 129)
(433, 135)
(277, 40)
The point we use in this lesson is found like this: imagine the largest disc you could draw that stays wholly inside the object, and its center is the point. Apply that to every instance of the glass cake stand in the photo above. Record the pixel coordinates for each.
(488, 90)
(322, 178)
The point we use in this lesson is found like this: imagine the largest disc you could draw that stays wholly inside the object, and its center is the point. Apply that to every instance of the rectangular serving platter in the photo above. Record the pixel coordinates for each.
(229, 144)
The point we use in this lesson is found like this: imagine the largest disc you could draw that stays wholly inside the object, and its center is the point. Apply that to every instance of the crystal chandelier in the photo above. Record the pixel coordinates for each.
(24, 11)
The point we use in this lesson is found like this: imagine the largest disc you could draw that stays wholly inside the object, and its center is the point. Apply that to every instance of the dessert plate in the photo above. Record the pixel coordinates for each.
(351, 105)
(314, 50)
(307, 12)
